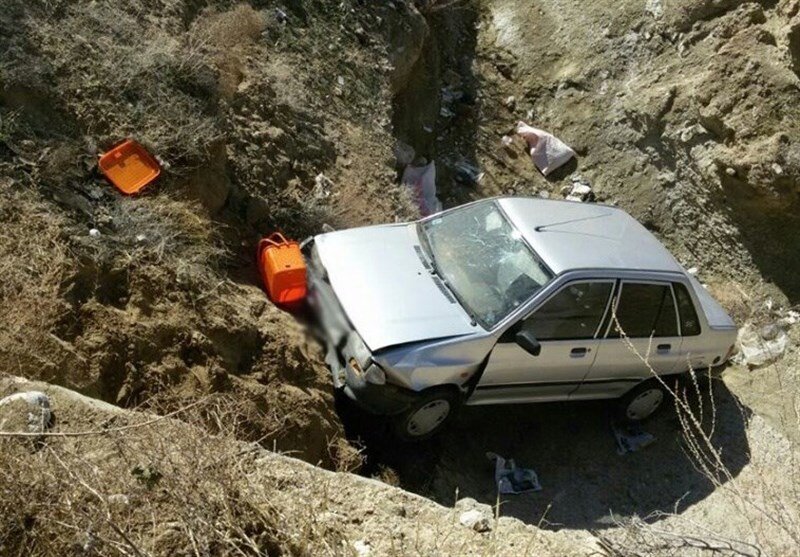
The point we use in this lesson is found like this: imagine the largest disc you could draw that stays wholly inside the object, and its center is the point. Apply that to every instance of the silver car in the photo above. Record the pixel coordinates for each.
(508, 300)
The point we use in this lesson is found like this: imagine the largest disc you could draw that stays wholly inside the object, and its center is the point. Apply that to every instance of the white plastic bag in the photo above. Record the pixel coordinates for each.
(547, 151)
(422, 182)
(754, 350)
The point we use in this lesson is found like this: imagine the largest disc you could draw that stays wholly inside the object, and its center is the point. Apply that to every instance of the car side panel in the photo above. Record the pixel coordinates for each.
(618, 366)
(513, 375)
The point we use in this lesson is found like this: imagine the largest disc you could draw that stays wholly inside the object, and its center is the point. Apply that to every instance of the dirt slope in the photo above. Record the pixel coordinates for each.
(168, 501)
(285, 116)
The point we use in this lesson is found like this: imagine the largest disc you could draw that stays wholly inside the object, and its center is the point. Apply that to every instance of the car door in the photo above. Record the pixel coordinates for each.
(566, 326)
(643, 324)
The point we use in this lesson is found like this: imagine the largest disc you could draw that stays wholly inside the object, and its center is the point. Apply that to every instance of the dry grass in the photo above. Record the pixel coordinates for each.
(764, 499)
(225, 37)
(33, 264)
(160, 491)
(119, 73)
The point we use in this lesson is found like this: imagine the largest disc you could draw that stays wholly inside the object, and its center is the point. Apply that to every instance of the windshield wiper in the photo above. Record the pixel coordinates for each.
(433, 268)
(426, 248)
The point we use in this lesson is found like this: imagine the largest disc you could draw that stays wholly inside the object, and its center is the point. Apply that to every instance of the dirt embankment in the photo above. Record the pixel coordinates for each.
(263, 119)
(684, 113)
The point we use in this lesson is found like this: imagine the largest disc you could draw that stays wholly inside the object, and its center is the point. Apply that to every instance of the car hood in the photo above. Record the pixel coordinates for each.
(387, 293)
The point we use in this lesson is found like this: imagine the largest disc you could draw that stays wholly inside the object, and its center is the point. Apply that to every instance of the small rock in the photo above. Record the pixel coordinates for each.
(667, 179)
(475, 520)
(33, 405)
(581, 190)
(770, 332)
(94, 233)
(404, 153)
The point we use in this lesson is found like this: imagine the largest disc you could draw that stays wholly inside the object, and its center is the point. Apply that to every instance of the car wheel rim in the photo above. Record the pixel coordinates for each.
(645, 404)
(428, 418)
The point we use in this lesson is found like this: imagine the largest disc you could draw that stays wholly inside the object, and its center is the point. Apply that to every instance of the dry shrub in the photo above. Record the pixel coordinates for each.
(117, 73)
(764, 499)
(33, 264)
(164, 230)
(156, 490)
(226, 37)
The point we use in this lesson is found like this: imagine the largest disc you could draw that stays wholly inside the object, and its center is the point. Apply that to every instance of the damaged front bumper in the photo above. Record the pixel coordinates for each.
(346, 355)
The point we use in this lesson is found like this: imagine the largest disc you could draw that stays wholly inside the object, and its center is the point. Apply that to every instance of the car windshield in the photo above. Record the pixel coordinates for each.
(483, 260)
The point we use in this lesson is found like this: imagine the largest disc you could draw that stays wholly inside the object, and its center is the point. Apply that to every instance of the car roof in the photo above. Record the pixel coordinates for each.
(572, 235)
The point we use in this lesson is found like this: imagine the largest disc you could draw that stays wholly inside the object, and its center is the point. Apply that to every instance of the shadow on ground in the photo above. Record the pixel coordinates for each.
(586, 484)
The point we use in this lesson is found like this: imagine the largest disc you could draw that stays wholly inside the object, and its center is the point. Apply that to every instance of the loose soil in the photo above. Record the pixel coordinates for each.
(285, 116)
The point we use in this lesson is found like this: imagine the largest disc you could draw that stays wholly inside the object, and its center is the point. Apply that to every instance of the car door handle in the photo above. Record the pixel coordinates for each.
(664, 347)
(579, 352)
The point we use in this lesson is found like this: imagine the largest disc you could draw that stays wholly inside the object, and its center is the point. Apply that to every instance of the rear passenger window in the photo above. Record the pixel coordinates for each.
(574, 313)
(690, 324)
(645, 310)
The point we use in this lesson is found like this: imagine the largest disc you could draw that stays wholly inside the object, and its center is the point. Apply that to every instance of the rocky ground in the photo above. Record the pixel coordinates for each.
(289, 116)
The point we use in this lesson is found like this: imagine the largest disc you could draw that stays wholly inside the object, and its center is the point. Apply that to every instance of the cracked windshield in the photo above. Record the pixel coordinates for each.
(483, 260)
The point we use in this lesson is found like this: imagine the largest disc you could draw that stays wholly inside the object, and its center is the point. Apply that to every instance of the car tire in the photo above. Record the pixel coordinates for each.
(428, 415)
(642, 402)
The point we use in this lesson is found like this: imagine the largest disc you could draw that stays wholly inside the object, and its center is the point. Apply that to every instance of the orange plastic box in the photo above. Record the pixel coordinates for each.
(282, 269)
(129, 167)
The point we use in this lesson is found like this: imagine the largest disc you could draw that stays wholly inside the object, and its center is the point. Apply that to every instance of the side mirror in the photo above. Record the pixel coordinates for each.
(528, 342)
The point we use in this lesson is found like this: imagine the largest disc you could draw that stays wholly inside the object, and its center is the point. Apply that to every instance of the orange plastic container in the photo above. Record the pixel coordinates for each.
(129, 167)
(282, 269)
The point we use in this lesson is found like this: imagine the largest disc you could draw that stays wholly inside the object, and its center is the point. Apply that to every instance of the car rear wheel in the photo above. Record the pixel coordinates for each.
(642, 402)
(427, 416)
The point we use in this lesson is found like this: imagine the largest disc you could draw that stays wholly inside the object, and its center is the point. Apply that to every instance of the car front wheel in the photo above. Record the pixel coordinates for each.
(427, 415)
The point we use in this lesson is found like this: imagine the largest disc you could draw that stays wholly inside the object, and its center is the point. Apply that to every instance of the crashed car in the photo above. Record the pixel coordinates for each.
(508, 300)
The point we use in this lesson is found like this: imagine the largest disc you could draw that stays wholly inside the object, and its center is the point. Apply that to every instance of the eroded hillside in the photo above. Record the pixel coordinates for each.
(289, 116)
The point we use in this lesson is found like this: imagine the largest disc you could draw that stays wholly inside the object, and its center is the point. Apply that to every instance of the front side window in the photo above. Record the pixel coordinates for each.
(573, 313)
(483, 259)
(644, 310)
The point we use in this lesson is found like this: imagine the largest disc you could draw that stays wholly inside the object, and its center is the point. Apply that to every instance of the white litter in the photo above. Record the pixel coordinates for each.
(512, 480)
(476, 520)
(547, 151)
(362, 548)
(755, 350)
(421, 180)
(630, 438)
(94, 233)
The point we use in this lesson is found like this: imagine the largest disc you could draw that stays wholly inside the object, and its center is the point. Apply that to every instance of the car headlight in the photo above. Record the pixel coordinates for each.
(375, 375)
(355, 348)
